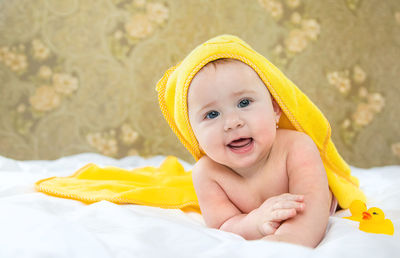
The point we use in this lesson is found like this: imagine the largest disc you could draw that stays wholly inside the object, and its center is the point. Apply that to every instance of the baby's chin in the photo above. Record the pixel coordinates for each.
(245, 164)
(234, 161)
(240, 165)
(231, 163)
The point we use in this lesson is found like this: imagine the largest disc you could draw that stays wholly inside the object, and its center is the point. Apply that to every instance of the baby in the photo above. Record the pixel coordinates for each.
(224, 101)
(255, 180)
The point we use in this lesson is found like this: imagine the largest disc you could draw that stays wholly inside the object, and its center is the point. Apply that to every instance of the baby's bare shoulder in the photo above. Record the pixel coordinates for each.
(300, 148)
(303, 154)
(295, 140)
(207, 169)
(201, 168)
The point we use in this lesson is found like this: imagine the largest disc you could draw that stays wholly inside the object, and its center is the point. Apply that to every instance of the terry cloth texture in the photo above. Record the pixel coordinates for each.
(168, 186)
(299, 113)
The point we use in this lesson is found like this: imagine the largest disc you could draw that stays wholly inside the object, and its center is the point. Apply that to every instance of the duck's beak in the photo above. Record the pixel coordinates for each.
(366, 215)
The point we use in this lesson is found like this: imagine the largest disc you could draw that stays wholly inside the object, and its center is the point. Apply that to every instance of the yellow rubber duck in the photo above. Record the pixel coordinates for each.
(371, 220)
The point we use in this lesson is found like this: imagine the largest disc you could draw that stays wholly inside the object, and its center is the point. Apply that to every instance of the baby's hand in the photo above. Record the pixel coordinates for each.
(277, 209)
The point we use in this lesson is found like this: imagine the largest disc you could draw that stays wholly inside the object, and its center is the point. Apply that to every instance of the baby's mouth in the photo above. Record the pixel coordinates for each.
(240, 143)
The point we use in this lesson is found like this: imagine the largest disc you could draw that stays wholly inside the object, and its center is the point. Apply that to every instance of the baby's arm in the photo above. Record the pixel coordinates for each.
(307, 176)
(219, 211)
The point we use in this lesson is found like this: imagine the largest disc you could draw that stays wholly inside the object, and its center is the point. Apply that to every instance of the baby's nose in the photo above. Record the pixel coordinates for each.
(233, 122)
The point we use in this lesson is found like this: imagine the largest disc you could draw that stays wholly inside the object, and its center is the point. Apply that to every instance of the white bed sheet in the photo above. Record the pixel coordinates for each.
(33, 224)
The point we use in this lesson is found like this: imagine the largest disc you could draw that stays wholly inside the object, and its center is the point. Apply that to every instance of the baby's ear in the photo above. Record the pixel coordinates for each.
(277, 109)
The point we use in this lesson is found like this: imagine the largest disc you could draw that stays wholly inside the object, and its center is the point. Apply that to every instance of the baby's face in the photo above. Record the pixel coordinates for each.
(232, 114)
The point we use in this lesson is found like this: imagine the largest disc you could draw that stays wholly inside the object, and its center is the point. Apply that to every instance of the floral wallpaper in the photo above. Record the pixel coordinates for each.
(79, 75)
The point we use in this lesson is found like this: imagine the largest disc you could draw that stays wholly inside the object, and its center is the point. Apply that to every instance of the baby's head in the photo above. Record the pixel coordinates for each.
(224, 64)
(232, 113)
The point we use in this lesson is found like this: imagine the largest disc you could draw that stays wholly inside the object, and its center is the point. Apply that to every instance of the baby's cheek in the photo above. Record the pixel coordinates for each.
(265, 126)
(206, 141)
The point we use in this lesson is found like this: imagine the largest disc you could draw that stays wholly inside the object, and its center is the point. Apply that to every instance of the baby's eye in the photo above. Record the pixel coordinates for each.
(244, 103)
(212, 114)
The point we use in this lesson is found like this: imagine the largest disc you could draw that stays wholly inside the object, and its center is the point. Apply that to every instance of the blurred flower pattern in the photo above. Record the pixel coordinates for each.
(80, 77)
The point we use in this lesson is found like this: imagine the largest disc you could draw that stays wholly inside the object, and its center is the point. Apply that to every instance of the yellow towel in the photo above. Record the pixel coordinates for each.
(299, 113)
(168, 186)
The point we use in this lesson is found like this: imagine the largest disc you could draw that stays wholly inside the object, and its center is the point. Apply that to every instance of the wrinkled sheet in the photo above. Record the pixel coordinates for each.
(33, 224)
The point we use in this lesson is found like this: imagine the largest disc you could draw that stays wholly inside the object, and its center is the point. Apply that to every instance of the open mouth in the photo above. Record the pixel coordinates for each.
(240, 143)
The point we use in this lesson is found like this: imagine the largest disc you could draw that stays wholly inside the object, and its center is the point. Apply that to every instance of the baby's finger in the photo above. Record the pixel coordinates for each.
(299, 206)
(270, 202)
(282, 214)
(269, 228)
(291, 197)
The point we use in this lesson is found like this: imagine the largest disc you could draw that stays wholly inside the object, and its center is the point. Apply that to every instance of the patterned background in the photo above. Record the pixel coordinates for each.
(79, 75)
